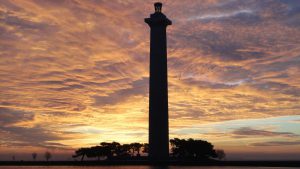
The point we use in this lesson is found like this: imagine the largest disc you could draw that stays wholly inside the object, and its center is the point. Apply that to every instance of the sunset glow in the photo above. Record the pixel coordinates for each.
(75, 73)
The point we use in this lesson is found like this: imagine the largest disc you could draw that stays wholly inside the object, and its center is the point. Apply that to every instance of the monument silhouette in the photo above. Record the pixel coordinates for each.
(158, 92)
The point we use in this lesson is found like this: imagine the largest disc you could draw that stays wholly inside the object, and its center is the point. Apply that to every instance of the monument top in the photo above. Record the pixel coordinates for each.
(157, 7)
(158, 18)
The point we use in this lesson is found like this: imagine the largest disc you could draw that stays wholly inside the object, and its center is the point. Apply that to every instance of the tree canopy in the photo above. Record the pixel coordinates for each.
(192, 149)
(113, 150)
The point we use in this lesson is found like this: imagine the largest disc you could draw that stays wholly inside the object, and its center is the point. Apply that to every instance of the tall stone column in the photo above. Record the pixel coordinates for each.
(158, 94)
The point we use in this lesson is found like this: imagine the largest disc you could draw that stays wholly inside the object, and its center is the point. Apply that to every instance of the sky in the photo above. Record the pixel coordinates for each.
(75, 73)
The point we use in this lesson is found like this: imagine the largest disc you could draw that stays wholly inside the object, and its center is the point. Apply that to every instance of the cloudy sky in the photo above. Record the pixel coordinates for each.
(75, 73)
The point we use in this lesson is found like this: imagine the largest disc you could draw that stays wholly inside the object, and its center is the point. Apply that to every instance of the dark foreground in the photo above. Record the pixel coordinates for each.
(172, 163)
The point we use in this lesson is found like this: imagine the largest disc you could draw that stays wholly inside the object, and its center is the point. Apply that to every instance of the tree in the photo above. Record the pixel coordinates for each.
(145, 148)
(136, 147)
(123, 150)
(220, 154)
(99, 151)
(177, 147)
(110, 149)
(105, 150)
(192, 149)
(81, 152)
(34, 155)
(47, 155)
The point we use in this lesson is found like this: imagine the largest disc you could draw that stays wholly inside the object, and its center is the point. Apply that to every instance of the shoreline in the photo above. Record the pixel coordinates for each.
(170, 163)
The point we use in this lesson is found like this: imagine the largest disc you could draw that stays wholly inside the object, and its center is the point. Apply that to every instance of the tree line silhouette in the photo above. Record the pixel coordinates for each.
(181, 149)
(191, 149)
(113, 150)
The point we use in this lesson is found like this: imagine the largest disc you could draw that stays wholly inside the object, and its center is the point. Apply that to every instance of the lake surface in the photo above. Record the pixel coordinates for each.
(136, 167)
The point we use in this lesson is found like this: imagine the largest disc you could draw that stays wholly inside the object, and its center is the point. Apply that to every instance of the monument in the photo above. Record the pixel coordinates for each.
(158, 92)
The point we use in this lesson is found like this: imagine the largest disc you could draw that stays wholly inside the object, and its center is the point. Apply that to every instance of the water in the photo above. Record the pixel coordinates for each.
(136, 167)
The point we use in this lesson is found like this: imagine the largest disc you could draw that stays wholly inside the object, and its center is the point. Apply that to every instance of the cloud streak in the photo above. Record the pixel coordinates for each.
(248, 132)
(221, 15)
(276, 143)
